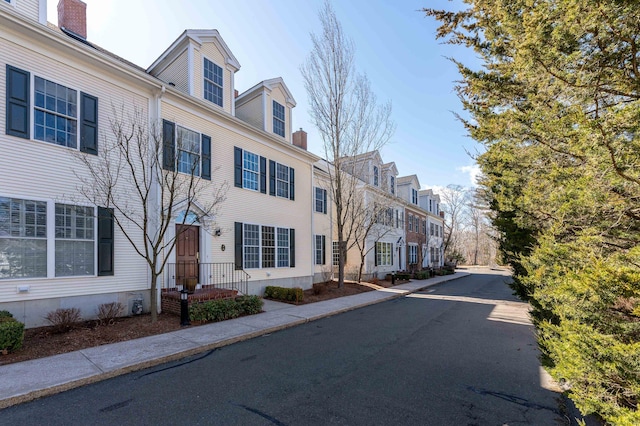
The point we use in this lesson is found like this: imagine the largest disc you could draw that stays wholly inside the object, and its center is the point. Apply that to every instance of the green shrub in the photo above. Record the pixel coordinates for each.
(224, 309)
(11, 334)
(405, 276)
(250, 305)
(295, 294)
(6, 314)
(421, 275)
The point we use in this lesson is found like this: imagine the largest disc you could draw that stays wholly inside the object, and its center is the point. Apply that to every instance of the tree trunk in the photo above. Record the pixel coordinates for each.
(361, 268)
(154, 297)
(342, 249)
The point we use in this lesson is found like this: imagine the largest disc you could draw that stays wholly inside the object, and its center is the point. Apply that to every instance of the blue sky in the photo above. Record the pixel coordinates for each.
(395, 46)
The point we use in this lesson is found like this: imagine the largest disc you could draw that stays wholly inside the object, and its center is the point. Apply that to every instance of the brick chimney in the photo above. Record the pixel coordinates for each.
(300, 139)
(72, 16)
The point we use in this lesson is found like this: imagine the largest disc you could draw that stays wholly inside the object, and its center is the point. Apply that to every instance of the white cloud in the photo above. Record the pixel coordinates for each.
(473, 172)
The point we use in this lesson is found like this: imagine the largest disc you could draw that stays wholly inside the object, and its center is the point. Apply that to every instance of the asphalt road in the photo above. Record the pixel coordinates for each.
(461, 353)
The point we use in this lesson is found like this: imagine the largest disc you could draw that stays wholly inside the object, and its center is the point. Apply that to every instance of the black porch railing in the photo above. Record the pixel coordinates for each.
(207, 275)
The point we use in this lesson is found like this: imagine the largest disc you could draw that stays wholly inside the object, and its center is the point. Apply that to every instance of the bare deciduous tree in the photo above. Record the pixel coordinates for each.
(455, 199)
(128, 177)
(370, 220)
(345, 111)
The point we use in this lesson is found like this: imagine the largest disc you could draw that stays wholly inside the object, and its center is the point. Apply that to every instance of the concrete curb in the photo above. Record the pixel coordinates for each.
(92, 365)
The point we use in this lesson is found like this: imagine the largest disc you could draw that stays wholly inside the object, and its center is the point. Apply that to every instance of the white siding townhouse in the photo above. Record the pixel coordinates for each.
(59, 92)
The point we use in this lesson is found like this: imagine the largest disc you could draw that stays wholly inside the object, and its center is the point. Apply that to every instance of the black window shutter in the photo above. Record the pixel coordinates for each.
(324, 202)
(237, 167)
(375, 254)
(324, 254)
(238, 245)
(292, 248)
(168, 145)
(263, 175)
(105, 241)
(292, 183)
(392, 250)
(272, 177)
(18, 95)
(88, 124)
(205, 172)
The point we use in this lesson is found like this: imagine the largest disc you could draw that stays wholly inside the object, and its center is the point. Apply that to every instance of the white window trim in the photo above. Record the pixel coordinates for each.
(316, 199)
(413, 247)
(51, 238)
(283, 120)
(204, 78)
(250, 171)
(260, 245)
(288, 181)
(32, 111)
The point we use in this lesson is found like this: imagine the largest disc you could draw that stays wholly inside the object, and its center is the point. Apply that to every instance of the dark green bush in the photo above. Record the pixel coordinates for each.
(405, 276)
(11, 334)
(6, 314)
(250, 305)
(224, 309)
(295, 294)
(421, 275)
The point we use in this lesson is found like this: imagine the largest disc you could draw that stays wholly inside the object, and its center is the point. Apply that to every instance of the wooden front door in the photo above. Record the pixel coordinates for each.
(187, 253)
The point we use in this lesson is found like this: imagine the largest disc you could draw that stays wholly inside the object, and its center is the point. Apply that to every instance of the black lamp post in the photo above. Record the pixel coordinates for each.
(184, 308)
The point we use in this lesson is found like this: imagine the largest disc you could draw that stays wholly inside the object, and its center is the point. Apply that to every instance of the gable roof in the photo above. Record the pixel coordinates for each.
(392, 167)
(403, 180)
(198, 37)
(269, 85)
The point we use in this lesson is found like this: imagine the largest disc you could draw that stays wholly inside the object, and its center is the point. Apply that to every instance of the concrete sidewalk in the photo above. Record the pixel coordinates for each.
(25, 381)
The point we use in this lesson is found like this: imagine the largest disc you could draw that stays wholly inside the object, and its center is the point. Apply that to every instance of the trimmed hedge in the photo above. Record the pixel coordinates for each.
(295, 294)
(421, 275)
(6, 314)
(11, 334)
(224, 309)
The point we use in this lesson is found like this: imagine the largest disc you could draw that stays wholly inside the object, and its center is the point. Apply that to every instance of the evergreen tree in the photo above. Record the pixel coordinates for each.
(557, 106)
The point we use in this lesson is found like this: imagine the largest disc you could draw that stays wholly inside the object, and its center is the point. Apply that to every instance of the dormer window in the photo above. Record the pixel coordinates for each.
(393, 185)
(212, 82)
(376, 176)
(414, 196)
(278, 119)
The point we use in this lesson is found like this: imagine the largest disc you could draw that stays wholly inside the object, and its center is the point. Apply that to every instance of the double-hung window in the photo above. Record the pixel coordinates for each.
(250, 170)
(261, 246)
(283, 247)
(414, 196)
(431, 229)
(393, 184)
(213, 82)
(55, 113)
(61, 115)
(410, 223)
(278, 119)
(23, 238)
(268, 247)
(376, 176)
(320, 200)
(75, 245)
(251, 246)
(282, 180)
(188, 151)
(335, 253)
(319, 250)
(413, 254)
(384, 254)
(40, 239)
